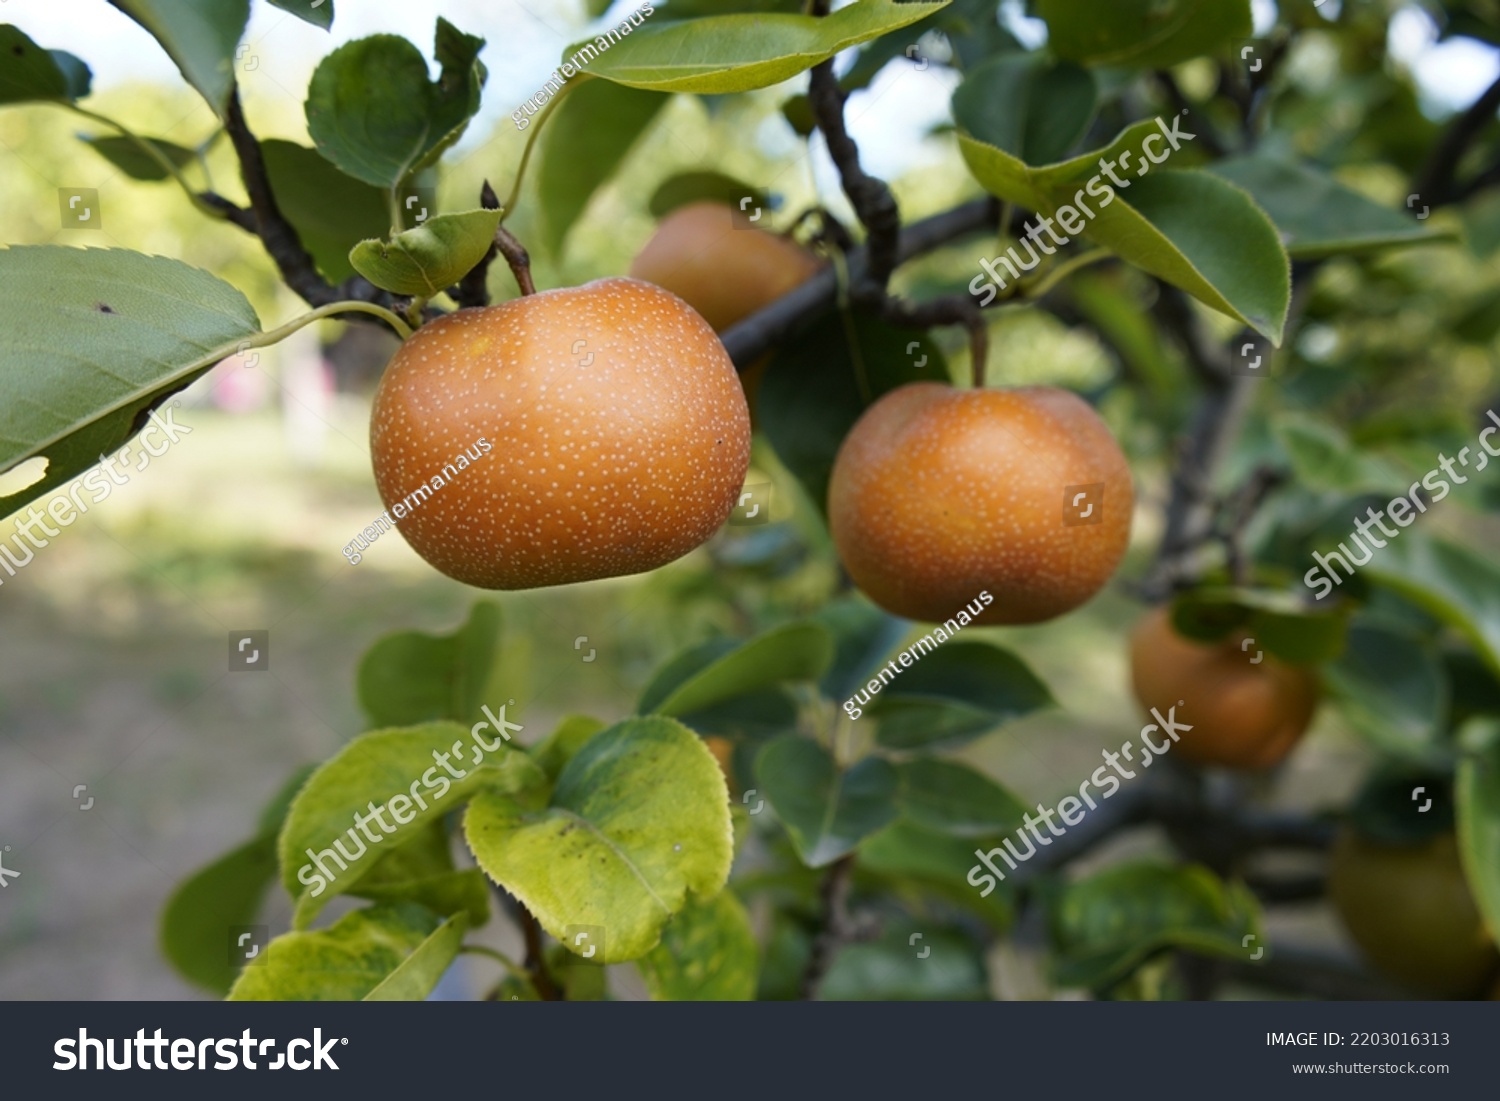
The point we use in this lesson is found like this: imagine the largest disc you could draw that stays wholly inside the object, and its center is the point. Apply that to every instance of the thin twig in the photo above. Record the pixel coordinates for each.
(1435, 183)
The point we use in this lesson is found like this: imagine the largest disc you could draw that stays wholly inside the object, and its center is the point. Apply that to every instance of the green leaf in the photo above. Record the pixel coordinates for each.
(697, 187)
(1279, 622)
(954, 692)
(1323, 458)
(430, 258)
(372, 111)
(586, 139)
(200, 36)
(411, 677)
(794, 651)
(330, 211)
(827, 811)
(130, 159)
(1032, 108)
(393, 769)
(818, 385)
(939, 864)
(342, 963)
(1458, 585)
(463, 891)
(707, 954)
(740, 52)
(1142, 33)
(752, 717)
(558, 748)
(1392, 688)
(1318, 216)
(416, 976)
(32, 73)
(862, 635)
(952, 798)
(90, 340)
(196, 923)
(1107, 925)
(320, 15)
(910, 962)
(639, 817)
(1478, 794)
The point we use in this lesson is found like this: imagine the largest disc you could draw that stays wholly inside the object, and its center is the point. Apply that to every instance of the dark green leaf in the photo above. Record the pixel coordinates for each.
(330, 211)
(695, 187)
(1454, 583)
(940, 864)
(827, 810)
(952, 798)
(1318, 216)
(134, 161)
(1107, 925)
(198, 918)
(1392, 688)
(317, 12)
(862, 635)
(910, 962)
(372, 111)
(707, 954)
(1032, 108)
(32, 73)
(90, 339)
(1279, 622)
(818, 385)
(585, 142)
(1478, 794)
(200, 36)
(795, 651)
(430, 258)
(411, 677)
(1142, 33)
(954, 692)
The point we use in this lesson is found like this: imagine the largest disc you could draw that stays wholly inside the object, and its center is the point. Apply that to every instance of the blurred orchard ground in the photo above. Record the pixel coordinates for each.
(112, 670)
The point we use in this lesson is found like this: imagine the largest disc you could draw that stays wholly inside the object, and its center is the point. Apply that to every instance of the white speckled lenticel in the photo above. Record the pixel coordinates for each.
(618, 436)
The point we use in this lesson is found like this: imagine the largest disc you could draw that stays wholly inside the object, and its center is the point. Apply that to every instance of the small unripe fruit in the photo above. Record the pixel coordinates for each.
(619, 431)
(938, 494)
(723, 272)
(1244, 714)
(1409, 909)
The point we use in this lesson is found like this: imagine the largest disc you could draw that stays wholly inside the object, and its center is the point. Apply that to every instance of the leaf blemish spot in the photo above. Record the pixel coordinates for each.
(103, 307)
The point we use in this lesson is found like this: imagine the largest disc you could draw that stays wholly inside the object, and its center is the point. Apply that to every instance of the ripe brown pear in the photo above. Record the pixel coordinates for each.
(618, 436)
(1244, 715)
(725, 272)
(1409, 909)
(938, 494)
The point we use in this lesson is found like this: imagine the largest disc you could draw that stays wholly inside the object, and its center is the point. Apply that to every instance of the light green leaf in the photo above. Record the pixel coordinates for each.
(1032, 108)
(411, 677)
(639, 817)
(372, 111)
(1318, 216)
(586, 139)
(317, 12)
(32, 73)
(197, 920)
(342, 963)
(416, 976)
(431, 257)
(910, 962)
(707, 954)
(558, 748)
(795, 651)
(1392, 688)
(1142, 33)
(199, 35)
(132, 160)
(90, 340)
(1456, 584)
(827, 811)
(955, 799)
(954, 693)
(330, 211)
(738, 53)
(1107, 925)
(463, 890)
(1477, 792)
(399, 772)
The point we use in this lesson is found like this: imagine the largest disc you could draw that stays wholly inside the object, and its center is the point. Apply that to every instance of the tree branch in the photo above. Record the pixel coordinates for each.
(1435, 183)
